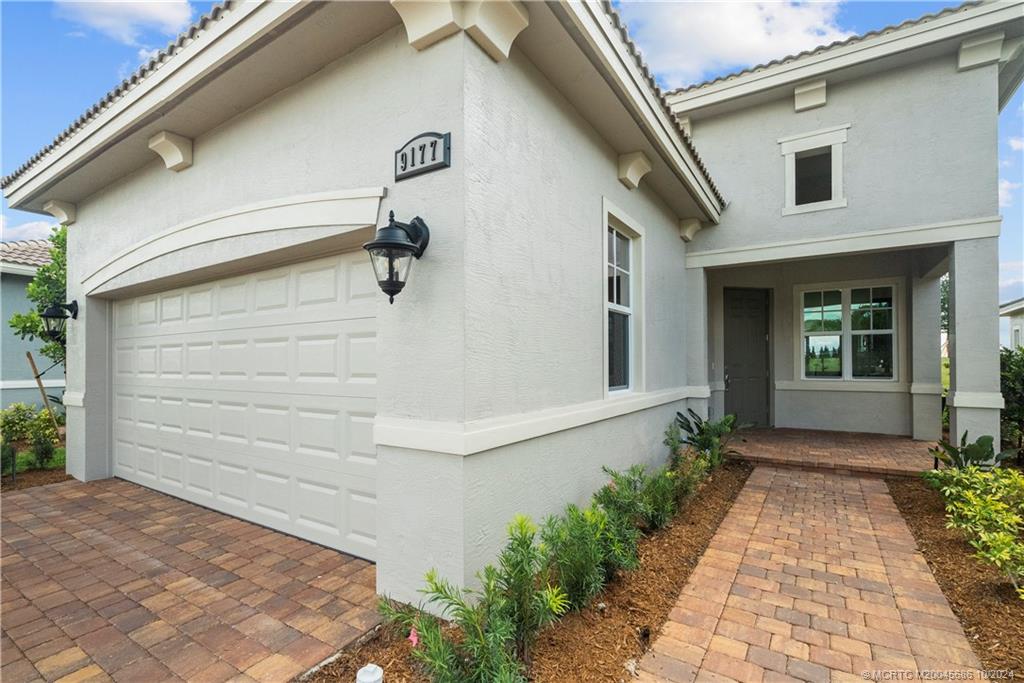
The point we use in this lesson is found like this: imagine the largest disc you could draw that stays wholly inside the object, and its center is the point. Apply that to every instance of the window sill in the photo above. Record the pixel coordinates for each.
(816, 206)
(862, 385)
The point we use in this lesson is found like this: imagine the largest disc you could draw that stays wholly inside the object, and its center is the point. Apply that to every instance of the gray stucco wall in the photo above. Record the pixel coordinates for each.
(921, 149)
(15, 366)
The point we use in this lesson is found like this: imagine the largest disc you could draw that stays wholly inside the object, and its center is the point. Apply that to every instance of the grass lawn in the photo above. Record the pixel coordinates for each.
(27, 460)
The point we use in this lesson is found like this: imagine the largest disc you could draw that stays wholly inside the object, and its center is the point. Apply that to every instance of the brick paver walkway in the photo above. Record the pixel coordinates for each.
(111, 580)
(841, 452)
(811, 576)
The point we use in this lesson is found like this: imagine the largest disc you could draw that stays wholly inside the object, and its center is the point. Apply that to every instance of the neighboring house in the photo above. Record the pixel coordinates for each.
(18, 264)
(585, 277)
(1014, 310)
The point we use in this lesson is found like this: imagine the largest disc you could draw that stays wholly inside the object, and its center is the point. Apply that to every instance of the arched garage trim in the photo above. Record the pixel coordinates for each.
(241, 235)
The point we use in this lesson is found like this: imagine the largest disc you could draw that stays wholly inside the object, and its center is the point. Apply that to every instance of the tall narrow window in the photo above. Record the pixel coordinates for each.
(813, 176)
(823, 333)
(620, 311)
(872, 327)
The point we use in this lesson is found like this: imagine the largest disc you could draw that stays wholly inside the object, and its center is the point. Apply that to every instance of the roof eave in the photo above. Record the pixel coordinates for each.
(975, 19)
(596, 35)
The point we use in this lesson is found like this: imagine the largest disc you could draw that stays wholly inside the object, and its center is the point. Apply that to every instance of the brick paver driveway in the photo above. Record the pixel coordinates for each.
(112, 580)
(814, 577)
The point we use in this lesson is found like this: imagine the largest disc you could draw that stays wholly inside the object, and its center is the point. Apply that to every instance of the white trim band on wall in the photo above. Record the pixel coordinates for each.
(881, 240)
(976, 399)
(866, 386)
(483, 435)
(30, 383)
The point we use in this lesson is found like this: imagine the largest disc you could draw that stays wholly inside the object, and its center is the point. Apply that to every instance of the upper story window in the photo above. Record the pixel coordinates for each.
(849, 333)
(814, 170)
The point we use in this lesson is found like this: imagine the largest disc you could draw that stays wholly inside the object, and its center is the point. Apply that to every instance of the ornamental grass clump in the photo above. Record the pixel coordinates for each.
(988, 507)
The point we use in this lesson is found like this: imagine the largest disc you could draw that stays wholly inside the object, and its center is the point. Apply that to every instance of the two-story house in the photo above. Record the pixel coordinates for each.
(600, 256)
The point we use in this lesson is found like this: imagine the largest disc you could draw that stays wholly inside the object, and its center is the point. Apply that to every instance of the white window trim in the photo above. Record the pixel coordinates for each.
(616, 218)
(898, 342)
(790, 146)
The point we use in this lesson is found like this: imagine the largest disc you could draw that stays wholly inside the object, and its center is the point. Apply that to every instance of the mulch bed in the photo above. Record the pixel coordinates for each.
(984, 600)
(594, 644)
(31, 478)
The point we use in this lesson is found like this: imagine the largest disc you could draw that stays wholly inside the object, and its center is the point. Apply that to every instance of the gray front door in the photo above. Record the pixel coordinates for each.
(746, 355)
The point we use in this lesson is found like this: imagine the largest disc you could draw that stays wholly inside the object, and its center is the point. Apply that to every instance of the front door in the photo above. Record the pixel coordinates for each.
(746, 355)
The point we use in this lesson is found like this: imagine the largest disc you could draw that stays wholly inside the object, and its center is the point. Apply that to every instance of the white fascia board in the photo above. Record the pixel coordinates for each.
(981, 18)
(18, 269)
(222, 41)
(875, 240)
(1011, 308)
(621, 71)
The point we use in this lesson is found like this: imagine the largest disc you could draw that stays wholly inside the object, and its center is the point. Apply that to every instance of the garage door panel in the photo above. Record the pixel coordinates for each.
(292, 294)
(256, 396)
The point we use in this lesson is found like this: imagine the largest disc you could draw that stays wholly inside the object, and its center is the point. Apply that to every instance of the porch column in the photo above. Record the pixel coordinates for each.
(974, 397)
(926, 372)
(697, 335)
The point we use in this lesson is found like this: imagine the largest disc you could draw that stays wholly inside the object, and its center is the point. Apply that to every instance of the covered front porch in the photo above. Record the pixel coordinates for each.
(835, 452)
(850, 343)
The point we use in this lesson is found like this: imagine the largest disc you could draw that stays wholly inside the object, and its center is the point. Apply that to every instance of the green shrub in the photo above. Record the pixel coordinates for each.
(43, 450)
(575, 547)
(8, 458)
(532, 602)
(988, 507)
(14, 422)
(623, 496)
(498, 624)
(41, 428)
(674, 441)
(1011, 385)
(691, 469)
(485, 650)
(661, 498)
(981, 453)
(711, 437)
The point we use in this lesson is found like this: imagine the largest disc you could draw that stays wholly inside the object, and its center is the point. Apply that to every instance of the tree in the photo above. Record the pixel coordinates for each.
(47, 287)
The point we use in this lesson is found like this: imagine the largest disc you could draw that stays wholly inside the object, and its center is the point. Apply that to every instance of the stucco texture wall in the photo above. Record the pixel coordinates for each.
(921, 149)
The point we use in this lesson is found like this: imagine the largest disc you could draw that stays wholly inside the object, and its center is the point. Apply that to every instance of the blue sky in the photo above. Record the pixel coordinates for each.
(59, 58)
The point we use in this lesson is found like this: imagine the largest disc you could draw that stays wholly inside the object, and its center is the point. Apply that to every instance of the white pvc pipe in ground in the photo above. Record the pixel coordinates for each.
(371, 673)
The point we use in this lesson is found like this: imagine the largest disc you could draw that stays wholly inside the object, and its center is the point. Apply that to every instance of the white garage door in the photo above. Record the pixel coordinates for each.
(255, 395)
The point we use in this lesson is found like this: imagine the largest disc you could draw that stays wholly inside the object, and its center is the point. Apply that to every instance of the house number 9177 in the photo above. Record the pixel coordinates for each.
(425, 152)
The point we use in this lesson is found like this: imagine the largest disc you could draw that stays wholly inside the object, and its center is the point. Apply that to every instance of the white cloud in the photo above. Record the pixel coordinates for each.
(126, 20)
(1016, 144)
(32, 230)
(1006, 189)
(684, 42)
(1011, 274)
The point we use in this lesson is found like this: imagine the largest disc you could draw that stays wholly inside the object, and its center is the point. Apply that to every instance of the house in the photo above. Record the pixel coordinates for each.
(1014, 310)
(591, 267)
(18, 264)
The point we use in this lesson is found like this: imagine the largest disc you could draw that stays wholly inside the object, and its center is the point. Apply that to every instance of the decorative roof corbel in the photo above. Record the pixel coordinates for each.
(688, 227)
(495, 24)
(64, 212)
(174, 149)
(980, 50)
(492, 24)
(632, 168)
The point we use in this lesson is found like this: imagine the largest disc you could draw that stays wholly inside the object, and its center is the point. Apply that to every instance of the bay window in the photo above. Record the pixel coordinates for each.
(849, 333)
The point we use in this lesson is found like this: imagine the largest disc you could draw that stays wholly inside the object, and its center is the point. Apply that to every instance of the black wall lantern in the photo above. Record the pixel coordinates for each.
(55, 318)
(392, 251)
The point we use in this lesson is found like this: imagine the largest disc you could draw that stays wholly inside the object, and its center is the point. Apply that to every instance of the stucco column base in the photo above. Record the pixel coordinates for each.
(927, 417)
(975, 421)
(87, 397)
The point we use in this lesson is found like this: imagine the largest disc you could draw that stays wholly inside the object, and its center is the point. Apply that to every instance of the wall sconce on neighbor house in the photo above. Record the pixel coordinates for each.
(55, 318)
(392, 251)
